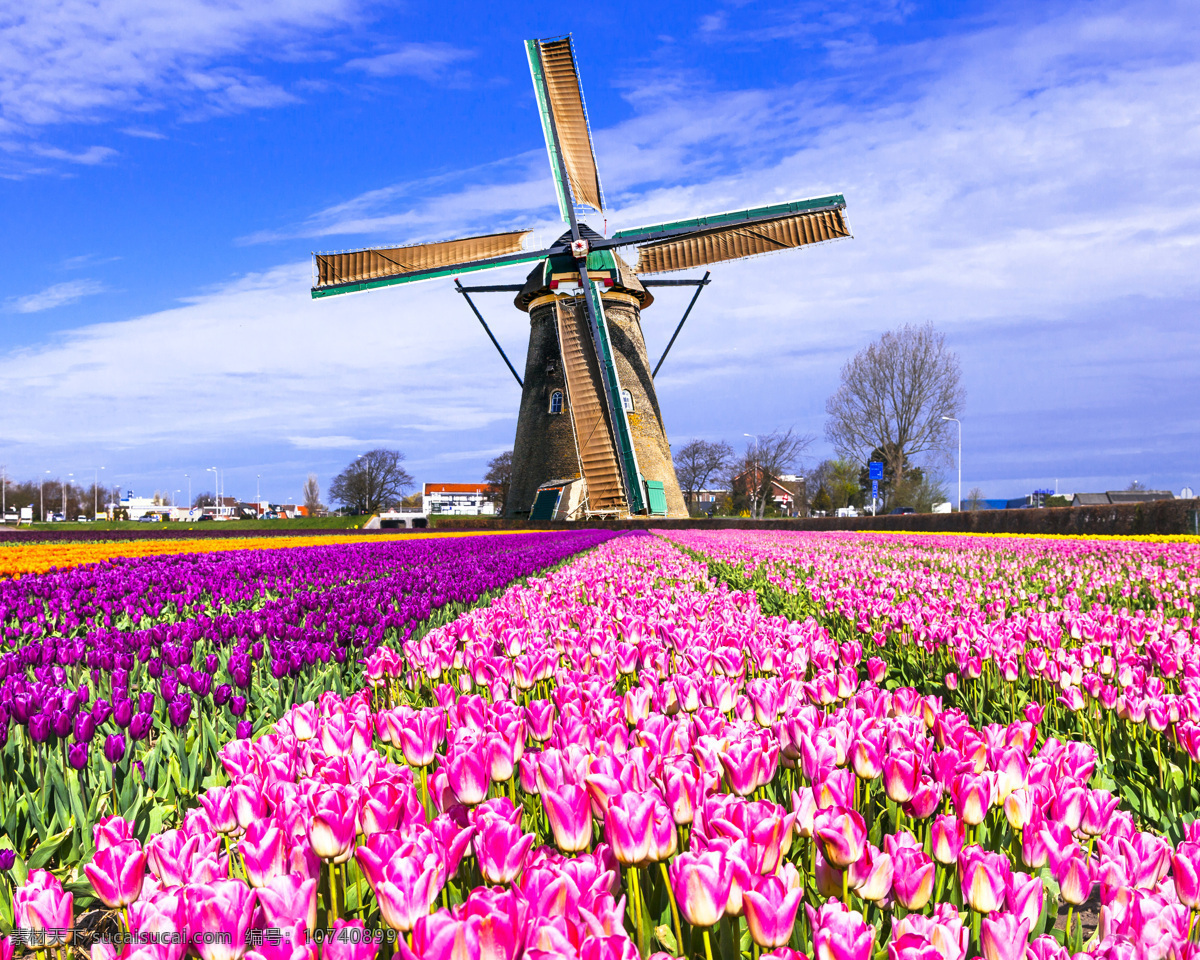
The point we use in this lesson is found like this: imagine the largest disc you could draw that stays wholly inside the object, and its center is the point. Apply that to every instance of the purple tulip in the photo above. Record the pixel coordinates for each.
(237, 705)
(61, 724)
(211, 662)
(114, 747)
(146, 701)
(39, 728)
(122, 712)
(77, 755)
(180, 709)
(8, 858)
(101, 711)
(221, 694)
(168, 687)
(140, 725)
(85, 728)
(244, 729)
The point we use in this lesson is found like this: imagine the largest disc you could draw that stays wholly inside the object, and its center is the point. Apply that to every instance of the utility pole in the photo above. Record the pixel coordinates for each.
(42, 508)
(959, 422)
(189, 480)
(754, 500)
(70, 477)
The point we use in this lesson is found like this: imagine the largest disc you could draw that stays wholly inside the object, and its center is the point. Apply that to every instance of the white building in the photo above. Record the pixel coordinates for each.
(458, 499)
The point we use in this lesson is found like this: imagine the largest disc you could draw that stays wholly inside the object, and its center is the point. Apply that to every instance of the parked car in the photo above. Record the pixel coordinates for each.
(149, 518)
(82, 519)
(898, 510)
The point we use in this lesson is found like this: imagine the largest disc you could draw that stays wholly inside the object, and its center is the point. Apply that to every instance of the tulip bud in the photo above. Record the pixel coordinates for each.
(114, 747)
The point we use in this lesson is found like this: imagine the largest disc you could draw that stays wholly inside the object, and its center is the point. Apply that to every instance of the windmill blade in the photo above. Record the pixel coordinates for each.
(560, 101)
(381, 266)
(683, 244)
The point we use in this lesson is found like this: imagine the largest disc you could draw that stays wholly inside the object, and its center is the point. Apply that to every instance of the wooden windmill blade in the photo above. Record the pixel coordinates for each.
(560, 102)
(685, 244)
(354, 270)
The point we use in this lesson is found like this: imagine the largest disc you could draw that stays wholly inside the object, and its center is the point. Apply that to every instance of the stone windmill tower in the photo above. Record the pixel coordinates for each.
(590, 438)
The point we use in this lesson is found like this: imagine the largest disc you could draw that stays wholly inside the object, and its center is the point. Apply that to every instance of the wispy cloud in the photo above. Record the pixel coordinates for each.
(143, 133)
(58, 295)
(90, 157)
(325, 443)
(427, 61)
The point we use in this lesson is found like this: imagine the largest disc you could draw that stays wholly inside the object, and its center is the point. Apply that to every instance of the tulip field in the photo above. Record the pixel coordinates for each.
(702, 744)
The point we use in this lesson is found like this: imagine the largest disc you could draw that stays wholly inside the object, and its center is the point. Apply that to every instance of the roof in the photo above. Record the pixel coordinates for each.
(1138, 496)
(1090, 499)
(457, 488)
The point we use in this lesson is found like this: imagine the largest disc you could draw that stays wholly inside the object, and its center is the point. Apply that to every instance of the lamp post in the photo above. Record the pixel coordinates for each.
(217, 486)
(257, 496)
(188, 478)
(42, 493)
(96, 494)
(70, 477)
(959, 422)
(754, 498)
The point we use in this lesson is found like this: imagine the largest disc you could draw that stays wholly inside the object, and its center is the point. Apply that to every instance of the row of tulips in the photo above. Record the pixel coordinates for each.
(99, 716)
(1101, 637)
(626, 758)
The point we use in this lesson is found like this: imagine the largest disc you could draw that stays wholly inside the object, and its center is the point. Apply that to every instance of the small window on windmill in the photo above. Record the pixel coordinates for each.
(556, 402)
(627, 401)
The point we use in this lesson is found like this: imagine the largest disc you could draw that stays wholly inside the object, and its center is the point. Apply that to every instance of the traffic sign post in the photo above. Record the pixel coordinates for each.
(875, 474)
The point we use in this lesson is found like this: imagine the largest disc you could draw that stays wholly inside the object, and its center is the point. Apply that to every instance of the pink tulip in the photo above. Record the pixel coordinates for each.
(947, 833)
(500, 848)
(290, 903)
(871, 876)
(972, 796)
(111, 831)
(866, 755)
(164, 916)
(771, 911)
(569, 812)
(116, 873)
(910, 946)
(349, 946)
(1185, 869)
(842, 834)
(840, 934)
(913, 879)
(217, 803)
(1098, 809)
(263, 849)
(701, 885)
(943, 930)
(1026, 896)
(42, 904)
(683, 789)
(1018, 808)
(223, 906)
(468, 771)
(332, 822)
(1074, 876)
(406, 891)
(420, 736)
(1004, 937)
(984, 878)
(901, 774)
(627, 826)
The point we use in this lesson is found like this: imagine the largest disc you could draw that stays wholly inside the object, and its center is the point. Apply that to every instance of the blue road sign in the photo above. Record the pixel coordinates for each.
(874, 488)
(876, 470)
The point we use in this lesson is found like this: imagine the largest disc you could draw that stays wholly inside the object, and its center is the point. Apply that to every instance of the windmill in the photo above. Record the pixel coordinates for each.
(590, 439)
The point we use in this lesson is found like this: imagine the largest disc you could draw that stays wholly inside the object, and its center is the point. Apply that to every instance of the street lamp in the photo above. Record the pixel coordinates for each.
(754, 498)
(258, 495)
(217, 485)
(959, 422)
(96, 494)
(188, 478)
(42, 515)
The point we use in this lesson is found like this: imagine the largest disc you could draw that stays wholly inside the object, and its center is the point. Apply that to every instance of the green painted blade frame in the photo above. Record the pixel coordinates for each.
(534, 52)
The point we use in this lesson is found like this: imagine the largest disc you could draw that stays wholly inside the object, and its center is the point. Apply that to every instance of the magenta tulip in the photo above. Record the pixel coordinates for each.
(1003, 936)
(331, 823)
(627, 827)
(1185, 869)
(913, 879)
(500, 849)
(984, 878)
(901, 774)
(220, 907)
(116, 873)
(840, 934)
(351, 945)
(469, 773)
(569, 812)
(701, 885)
(263, 852)
(842, 833)
(290, 903)
(408, 889)
(1026, 896)
(947, 834)
(770, 910)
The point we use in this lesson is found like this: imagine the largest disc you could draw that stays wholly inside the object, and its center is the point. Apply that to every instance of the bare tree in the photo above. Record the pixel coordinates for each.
(697, 461)
(765, 461)
(893, 396)
(373, 481)
(975, 500)
(204, 499)
(1136, 485)
(312, 496)
(498, 478)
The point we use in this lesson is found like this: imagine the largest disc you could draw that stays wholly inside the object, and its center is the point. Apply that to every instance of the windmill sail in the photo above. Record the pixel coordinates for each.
(380, 266)
(560, 99)
(733, 236)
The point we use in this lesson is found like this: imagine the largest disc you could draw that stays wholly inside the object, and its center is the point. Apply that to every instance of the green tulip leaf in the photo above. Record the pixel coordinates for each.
(47, 849)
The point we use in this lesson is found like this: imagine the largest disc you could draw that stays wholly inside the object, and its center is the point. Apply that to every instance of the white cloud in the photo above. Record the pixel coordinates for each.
(82, 60)
(58, 295)
(428, 61)
(326, 443)
(88, 158)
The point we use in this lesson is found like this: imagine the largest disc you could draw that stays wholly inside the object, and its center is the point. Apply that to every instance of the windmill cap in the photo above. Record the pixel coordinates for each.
(624, 280)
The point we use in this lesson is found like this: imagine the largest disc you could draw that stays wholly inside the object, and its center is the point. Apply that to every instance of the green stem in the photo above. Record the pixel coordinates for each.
(707, 945)
(674, 909)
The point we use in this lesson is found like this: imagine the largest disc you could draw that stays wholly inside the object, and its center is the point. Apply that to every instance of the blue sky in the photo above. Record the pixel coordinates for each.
(1025, 175)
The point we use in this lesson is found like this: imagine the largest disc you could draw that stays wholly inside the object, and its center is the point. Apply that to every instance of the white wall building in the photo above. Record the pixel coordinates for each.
(457, 499)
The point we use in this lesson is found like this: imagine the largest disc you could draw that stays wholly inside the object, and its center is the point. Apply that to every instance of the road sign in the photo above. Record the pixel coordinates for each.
(876, 470)
(874, 489)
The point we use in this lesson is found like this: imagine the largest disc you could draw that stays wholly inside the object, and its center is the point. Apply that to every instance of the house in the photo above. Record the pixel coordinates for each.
(1120, 496)
(704, 502)
(458, 499)
(787, 491)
